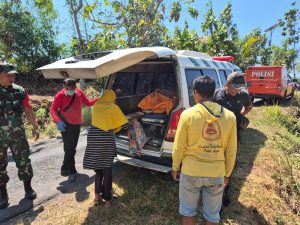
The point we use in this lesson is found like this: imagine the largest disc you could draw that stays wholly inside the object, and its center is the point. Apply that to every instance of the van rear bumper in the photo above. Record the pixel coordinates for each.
(264, 95)
(143, 164)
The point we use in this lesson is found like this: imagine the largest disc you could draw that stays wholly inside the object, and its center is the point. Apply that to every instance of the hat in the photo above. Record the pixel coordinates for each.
(7, 68)
(69, 82)
(237, 80)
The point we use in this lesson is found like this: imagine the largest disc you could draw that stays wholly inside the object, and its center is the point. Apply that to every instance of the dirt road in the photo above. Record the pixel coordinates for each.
(46, 160)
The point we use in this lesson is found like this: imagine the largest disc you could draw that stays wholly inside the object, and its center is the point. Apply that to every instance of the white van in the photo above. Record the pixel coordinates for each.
(133, 74)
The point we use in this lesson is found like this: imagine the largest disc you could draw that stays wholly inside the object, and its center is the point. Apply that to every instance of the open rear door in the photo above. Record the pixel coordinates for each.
(80, 68)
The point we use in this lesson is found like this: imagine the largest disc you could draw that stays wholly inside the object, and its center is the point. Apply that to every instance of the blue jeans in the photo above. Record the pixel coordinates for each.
(211, 190)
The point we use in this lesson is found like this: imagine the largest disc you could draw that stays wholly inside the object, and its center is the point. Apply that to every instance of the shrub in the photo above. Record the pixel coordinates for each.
(86, 116)
(41, 115)
(51, 130)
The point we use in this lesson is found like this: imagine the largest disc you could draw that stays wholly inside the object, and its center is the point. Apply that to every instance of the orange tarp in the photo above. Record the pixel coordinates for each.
(157, 102)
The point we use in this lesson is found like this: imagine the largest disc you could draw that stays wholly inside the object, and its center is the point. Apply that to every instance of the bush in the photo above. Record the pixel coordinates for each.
(51, 130)
(86, 116)
(40, 115)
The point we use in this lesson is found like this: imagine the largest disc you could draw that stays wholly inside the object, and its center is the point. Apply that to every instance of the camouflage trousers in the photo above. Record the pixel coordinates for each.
(15, 139)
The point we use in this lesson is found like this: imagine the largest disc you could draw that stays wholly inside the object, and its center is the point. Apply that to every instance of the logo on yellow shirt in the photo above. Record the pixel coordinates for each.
(211, 131)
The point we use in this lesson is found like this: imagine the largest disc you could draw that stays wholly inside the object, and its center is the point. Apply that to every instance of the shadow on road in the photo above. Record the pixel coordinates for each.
(79, 187)
(24, 205)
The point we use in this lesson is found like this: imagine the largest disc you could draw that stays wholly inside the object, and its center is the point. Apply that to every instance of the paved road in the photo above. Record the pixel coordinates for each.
(46, 160)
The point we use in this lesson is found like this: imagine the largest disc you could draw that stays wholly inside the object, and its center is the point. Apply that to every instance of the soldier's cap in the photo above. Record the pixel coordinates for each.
(237, 80)
(69, 82)
(7, 68)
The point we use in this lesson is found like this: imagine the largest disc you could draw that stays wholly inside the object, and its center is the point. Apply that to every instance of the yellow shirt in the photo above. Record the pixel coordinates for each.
(206, 141)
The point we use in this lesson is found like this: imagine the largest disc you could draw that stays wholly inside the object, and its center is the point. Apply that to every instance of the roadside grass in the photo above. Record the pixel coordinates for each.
(265, 183)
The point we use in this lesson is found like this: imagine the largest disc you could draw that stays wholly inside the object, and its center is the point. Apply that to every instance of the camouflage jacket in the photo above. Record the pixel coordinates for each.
(11, 105)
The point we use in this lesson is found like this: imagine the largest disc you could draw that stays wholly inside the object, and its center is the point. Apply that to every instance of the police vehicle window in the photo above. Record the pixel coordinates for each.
(213, 74)
(123, 84)
(144, 83)
(223, 76)
(191, 75)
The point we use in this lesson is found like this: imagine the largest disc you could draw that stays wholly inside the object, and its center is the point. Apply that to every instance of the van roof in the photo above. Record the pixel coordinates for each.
(100, 64)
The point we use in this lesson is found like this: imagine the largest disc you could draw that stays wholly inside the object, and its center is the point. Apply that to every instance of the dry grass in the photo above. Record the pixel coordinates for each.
(147, 198)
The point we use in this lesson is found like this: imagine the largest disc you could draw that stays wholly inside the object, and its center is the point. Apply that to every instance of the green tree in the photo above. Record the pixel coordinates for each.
(133, 23)
(283, 55)
(75, 6)
(222, 33)
(27, 36)
(252, 50)
(184, 39)
(290, 30)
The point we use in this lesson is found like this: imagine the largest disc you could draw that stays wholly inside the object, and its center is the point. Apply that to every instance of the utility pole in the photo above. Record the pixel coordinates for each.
(270, 29)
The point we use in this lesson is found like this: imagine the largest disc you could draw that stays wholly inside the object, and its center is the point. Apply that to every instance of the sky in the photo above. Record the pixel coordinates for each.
(247, 15)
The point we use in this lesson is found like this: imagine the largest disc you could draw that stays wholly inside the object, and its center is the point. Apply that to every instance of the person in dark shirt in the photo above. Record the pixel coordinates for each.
(235, 98)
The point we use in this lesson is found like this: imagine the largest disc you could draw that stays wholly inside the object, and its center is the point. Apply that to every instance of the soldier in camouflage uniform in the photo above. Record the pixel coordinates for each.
(14, 101)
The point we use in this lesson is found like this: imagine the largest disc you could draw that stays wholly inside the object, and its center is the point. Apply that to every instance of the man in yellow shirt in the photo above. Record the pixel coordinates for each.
(204, 154)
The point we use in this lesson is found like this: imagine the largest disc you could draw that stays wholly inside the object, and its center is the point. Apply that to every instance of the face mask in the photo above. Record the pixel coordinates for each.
(70, 92)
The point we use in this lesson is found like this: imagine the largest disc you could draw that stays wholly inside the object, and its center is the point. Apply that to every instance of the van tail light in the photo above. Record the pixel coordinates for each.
(171, 131)
(279, 87)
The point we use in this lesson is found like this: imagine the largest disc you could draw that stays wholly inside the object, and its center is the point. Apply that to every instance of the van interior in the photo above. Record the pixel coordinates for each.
(134, 83)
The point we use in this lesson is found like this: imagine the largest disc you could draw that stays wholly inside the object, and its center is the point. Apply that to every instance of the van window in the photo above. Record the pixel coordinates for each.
(123, 84)
(192, 74)
(223, 76)
(213, 74)
(167, 82)
(144, 83)
(227, 73)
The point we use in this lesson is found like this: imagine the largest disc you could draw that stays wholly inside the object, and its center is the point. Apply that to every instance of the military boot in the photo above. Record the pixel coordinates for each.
(29, 192)
(3, 197)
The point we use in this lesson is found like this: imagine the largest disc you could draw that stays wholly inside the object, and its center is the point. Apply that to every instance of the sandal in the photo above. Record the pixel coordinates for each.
(97, 199)
(108, 204)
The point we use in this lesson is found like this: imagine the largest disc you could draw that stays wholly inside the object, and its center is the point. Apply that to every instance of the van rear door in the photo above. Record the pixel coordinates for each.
(263, 80)
(83, 67)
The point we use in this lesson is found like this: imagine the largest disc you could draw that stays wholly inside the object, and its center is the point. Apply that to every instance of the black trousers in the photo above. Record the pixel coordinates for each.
(70, 139)
(103, 183)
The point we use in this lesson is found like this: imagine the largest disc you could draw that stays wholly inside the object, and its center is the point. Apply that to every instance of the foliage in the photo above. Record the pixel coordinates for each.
(291, 31)
(75, 6)
(283, 55)
(40, 115)
(251, 49)
(132, 23)
(27, 35)
(222, 33)
(184, 39)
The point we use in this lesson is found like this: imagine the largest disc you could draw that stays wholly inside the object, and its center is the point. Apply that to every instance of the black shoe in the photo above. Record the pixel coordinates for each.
(29, 192)
(64, 173)
(226, 201)
(3, 197)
